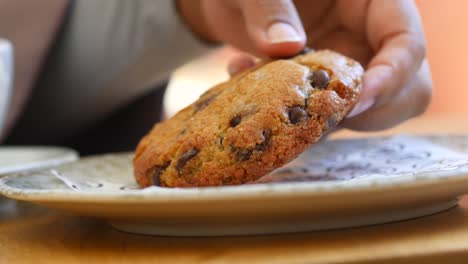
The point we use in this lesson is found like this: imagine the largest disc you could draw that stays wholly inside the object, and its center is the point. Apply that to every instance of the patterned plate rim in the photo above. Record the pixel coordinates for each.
(157, 194)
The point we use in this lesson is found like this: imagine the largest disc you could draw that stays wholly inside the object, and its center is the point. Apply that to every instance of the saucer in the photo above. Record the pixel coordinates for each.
(336, 184)
(15, 159)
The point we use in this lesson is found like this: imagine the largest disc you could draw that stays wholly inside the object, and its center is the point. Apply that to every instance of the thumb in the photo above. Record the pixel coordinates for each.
(274, 26)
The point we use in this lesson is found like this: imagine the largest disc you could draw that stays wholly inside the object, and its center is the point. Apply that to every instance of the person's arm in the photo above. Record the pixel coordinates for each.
(108, 53)
(31, 27)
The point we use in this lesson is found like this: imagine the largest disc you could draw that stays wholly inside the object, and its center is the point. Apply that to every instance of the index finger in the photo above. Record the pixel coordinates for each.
(395, 33)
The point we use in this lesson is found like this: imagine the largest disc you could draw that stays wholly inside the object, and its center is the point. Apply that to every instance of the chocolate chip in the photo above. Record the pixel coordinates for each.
(243, 154)
(235, 121)
(227, 180)
(157, 171)
(183, 131)
(320, 79)
(204, 103)
(184, 158)
(296, 114)
(331, 122)
(261, 147)
(266, 140)
(267, 134)
(246, 154)
(221, 140)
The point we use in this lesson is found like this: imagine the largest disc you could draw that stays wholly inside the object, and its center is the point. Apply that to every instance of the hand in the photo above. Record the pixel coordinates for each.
(385, 36)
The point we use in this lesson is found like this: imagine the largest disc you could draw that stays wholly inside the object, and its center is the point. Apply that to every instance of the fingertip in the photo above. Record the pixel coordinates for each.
(283, 50)
(274, 27)
(277, 49)
(281, 32)
(378, 83)
(282, 40)
(371, 86)
(239, 64)
(361, 107)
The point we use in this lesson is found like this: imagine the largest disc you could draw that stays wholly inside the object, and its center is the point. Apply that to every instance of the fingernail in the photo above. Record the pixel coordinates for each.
(280, 32)
(361, 107)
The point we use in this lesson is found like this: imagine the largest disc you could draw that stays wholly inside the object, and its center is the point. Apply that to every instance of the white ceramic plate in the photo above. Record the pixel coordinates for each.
(338, 184)
(17, 159)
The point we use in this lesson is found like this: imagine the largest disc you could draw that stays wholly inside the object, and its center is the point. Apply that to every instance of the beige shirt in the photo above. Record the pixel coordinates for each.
(107, 53)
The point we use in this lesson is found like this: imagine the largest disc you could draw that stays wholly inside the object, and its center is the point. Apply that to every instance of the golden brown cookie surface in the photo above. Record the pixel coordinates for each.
(250, 125)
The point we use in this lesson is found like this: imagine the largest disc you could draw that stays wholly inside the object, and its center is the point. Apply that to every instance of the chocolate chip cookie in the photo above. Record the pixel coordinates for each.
(250, 125)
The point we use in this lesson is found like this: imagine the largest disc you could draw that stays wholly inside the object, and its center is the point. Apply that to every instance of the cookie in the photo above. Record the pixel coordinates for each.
(250, 125)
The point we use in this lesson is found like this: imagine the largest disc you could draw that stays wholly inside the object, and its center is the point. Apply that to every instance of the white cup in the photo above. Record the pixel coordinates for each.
(6, 80)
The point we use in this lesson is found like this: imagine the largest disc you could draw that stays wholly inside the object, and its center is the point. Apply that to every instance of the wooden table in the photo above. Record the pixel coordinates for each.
(32, 234)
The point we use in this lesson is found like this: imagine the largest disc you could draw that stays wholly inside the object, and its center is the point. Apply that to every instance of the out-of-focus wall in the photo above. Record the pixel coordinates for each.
(446, 26)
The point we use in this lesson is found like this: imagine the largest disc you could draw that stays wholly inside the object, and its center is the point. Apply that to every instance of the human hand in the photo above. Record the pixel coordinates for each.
(386, 37)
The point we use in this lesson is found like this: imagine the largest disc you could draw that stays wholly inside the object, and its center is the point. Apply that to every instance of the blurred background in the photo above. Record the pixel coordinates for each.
(446, 28)
(445, 24)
